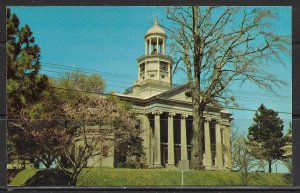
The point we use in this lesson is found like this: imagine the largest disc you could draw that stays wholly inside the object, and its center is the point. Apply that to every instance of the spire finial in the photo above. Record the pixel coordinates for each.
(155, 19)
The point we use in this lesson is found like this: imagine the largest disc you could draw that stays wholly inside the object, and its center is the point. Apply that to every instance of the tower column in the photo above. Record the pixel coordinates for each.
(163, 47)
(171, 161)
(146, 47)
(170, 73)
(183, 138)
(157, 153)
(139, 71)
(157, 45)
(150, 47)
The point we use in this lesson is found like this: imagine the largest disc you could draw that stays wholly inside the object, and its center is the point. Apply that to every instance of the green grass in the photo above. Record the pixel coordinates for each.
(23, 176)
(161, 177)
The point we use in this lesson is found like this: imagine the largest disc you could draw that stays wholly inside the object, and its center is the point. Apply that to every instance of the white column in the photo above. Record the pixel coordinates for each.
(163, 47)
(147, 138)
(218, 146)
(146, 47)
(183, 138)
(170, 73)
(171, 159)
(157, 154)
(207, 157)
(157, 45)
(150, 47)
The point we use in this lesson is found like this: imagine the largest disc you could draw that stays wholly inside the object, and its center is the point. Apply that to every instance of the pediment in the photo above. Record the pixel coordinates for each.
(177, 93)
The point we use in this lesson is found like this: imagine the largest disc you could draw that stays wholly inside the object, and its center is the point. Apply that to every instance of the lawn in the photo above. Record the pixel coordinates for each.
(161, 177)
(22, 177)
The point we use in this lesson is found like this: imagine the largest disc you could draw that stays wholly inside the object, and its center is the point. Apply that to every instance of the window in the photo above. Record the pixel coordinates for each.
(164, 66)
(212, 127)
(222, 139)
(142, 68)
(105, 150)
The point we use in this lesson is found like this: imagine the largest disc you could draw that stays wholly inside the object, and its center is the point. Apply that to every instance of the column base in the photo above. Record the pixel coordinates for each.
(184, 165)
(156, 166)
(207, 160)
(171, 166)
(210, 168)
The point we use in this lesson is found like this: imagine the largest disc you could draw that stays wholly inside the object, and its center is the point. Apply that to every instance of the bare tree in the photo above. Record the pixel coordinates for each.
(220, 46)
(243, 160)
(287, 160)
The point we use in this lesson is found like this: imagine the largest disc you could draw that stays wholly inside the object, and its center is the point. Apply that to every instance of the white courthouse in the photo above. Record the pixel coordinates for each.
(165, 112)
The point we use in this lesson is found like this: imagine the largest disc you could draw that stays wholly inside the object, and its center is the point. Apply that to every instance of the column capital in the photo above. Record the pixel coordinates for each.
(184, 116)
(207, 119)
(156, 112)
(171, 114)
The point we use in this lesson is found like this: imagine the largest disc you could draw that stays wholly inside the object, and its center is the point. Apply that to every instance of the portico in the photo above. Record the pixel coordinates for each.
(156, 140)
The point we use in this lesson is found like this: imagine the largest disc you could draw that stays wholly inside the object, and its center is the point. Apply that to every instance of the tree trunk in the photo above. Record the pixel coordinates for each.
(270, 166)
(197, 150)
(48, 164)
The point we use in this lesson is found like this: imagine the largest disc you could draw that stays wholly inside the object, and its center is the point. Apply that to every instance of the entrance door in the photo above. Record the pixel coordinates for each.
(177, 154)
(164, 154)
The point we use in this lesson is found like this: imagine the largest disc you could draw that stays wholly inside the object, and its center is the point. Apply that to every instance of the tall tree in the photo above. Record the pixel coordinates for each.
(220, 46)
(265, 136)
(24, 85)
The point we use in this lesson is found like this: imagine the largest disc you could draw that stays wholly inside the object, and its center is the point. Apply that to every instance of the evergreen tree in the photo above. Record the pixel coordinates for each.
(24, 85)
(266, 137)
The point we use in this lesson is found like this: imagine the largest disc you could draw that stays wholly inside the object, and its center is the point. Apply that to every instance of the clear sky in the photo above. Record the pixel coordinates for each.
(108, 40)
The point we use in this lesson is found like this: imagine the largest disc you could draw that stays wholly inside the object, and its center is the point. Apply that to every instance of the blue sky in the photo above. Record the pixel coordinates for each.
(110, 39)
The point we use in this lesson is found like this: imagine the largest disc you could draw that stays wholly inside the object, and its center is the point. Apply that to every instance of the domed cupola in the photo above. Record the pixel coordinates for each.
(155, 40)
(155, 30)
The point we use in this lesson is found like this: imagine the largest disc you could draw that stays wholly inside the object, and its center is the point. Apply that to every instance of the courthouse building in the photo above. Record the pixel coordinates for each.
(165, 112)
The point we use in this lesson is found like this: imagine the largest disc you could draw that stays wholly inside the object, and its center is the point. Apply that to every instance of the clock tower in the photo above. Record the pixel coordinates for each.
(155, 66)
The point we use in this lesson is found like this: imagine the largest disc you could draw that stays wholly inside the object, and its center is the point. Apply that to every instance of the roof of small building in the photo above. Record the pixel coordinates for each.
(155, 29)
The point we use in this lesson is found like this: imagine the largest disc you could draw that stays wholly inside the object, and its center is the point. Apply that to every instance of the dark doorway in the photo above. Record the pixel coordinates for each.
(177, 155)
(164, 154)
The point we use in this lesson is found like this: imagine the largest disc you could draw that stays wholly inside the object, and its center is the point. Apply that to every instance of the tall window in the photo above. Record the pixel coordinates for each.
(164, 66)
(105, 150)
(212, 129)
(142, 70)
